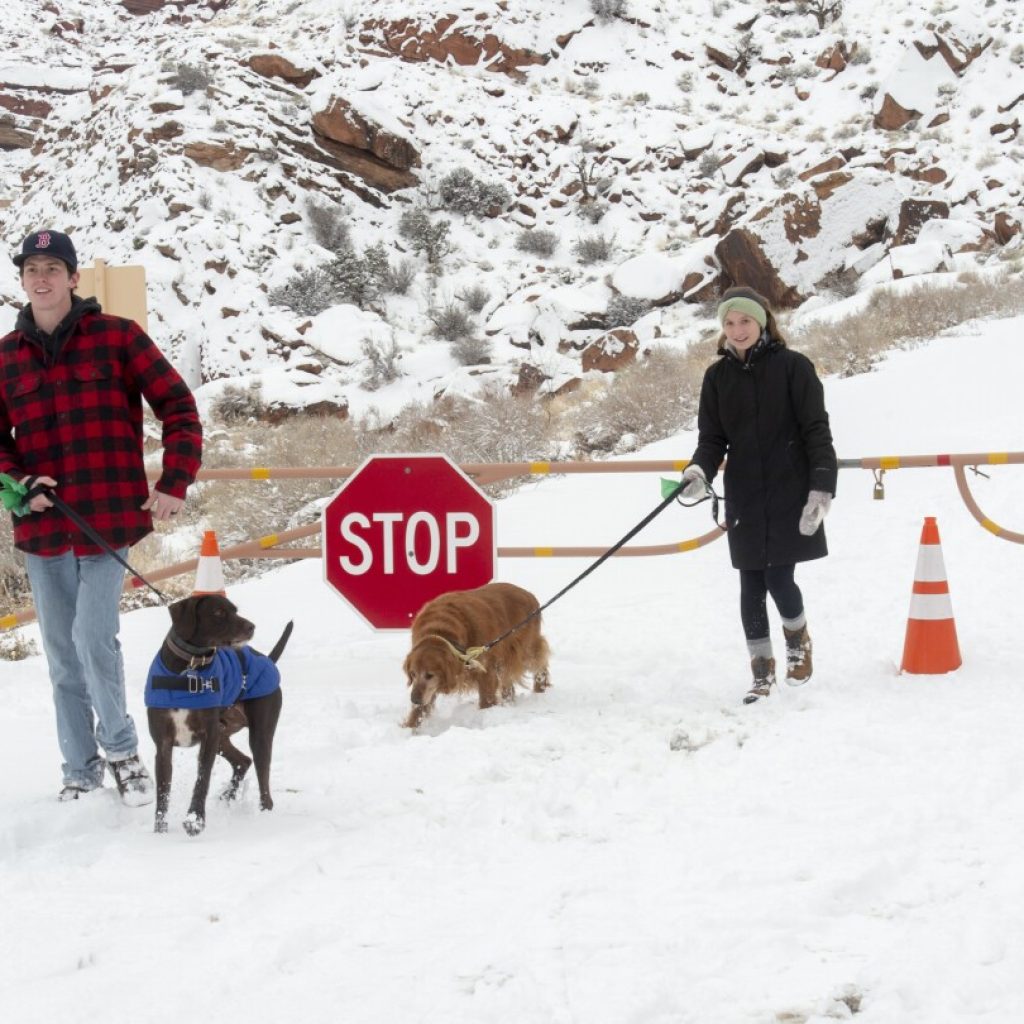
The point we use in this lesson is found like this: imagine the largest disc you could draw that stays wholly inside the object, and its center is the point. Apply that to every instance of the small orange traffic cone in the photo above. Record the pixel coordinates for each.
(209, 572)
(931, 646)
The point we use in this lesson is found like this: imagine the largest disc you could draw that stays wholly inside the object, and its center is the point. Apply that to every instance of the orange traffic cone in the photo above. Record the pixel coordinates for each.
(209, 572)
(931, 646)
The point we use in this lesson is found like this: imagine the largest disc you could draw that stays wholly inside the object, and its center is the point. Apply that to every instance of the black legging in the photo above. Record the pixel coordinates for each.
(755, 585)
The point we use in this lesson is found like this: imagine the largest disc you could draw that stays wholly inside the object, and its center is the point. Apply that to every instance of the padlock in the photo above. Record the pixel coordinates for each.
(878, 491)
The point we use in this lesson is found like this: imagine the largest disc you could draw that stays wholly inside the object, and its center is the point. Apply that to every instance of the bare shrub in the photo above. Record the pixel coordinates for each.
(594, 248)
(652, 399)
(842, 283)
(237, 404)
(471, 350)
(16, 646)
(450, 321)
(328, 224)
(708, 165)
(190, 78)
(608, 10)
(384, 362)
(14, 588)
(399, 277)
(476, 297)
(500, 428)
(537, 242)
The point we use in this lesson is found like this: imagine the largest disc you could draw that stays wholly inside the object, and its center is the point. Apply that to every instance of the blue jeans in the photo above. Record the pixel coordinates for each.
(76, 599)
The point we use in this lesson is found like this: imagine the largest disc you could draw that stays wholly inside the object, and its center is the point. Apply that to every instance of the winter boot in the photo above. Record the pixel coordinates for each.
(133, 781)
(798, 656)
(764, 678)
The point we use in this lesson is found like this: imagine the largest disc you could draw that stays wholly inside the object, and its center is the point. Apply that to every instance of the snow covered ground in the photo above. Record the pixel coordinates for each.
(632, 847)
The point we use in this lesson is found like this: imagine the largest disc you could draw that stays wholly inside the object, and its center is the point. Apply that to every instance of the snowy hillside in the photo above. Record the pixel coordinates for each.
(696, 143)
(633, 845)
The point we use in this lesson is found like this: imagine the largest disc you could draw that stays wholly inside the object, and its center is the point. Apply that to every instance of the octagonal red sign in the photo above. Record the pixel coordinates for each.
(402, 530)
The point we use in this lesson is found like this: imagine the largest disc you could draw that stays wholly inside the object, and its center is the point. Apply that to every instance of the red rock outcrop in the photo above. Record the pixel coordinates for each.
(221, 157)
(613, 351)
(914, 214)
(1005, 228)
(273, 65)
(743, 261)
(415, 42)
(892, 117)
(340, 122)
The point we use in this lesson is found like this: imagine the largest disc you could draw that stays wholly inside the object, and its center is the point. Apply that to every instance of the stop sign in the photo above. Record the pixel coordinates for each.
(402, 530)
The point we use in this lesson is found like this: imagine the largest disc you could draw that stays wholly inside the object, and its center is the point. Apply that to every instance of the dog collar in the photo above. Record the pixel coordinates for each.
(197, 657)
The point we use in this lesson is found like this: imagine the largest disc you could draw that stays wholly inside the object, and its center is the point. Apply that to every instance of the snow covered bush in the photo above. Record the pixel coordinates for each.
(430, 238)
(236, 404)
(537, 241)
(607, 10)
(461, 192)
(307, 293)
(475, 297)
(189, 78)
(624, 310)
(383, 363)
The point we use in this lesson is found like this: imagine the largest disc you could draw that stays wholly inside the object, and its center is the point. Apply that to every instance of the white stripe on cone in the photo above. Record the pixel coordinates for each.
(930, 606)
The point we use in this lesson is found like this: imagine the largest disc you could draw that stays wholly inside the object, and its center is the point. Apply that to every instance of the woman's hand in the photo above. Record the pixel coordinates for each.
(696, 483)
(818, 504)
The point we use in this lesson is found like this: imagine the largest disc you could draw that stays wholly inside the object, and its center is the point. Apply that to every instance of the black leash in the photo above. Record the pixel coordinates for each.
(34, 488)
(473, 652)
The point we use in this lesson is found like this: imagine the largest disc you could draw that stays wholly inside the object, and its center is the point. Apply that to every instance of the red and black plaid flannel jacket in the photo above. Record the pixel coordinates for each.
(78, 419)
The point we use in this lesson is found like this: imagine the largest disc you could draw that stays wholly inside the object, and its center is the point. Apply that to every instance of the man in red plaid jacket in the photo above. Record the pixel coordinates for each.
(72, 381)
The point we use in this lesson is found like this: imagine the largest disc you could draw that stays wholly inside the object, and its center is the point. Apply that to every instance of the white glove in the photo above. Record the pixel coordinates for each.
(818, 504)
(696, 482)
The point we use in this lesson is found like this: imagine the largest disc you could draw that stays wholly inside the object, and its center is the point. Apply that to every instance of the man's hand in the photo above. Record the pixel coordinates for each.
(38, 501)
(163, 506)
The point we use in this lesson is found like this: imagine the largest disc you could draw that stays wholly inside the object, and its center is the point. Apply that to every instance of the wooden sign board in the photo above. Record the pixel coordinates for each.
(121, 291)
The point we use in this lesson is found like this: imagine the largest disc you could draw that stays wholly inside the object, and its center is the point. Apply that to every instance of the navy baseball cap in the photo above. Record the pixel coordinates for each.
(48, 243)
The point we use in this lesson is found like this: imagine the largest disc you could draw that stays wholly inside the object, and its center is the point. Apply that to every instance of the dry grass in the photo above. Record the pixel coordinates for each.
(889, 320)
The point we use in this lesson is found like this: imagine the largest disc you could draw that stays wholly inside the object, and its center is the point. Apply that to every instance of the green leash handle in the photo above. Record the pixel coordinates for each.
(12, 495)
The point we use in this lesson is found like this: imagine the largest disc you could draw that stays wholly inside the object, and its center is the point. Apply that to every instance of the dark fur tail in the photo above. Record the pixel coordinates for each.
(281, 643)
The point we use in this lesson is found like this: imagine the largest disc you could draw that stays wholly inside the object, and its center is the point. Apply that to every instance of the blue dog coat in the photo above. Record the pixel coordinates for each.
(234, 674)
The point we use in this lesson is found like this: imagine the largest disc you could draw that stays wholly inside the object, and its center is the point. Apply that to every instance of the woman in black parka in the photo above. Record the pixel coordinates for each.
(762, 408)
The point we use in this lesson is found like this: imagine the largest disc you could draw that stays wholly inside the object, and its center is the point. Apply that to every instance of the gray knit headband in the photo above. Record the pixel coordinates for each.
(740, 304)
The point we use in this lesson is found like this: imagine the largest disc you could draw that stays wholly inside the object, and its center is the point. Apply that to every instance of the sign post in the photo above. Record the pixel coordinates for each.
(402, 530)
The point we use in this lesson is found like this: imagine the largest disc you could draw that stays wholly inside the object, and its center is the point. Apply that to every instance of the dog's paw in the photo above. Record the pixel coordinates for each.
(160, 826)
(231, 790)
(193, 824)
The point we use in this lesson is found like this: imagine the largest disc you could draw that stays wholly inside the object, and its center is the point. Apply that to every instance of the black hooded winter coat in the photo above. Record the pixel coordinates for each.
(766, 417)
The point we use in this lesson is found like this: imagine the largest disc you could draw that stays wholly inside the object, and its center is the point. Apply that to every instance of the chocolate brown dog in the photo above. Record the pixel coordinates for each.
(203, 686)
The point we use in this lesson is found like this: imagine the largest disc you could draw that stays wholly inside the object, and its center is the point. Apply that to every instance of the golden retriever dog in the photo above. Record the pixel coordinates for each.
(452, 623)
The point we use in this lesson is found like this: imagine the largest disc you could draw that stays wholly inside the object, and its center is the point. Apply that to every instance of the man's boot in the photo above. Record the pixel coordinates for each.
(764, 678)
(798, 655)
